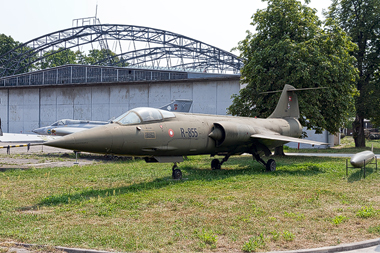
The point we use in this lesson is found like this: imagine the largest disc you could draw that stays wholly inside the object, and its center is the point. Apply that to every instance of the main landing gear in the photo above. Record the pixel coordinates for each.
(270, 165)
(177, 173)
(216, 164)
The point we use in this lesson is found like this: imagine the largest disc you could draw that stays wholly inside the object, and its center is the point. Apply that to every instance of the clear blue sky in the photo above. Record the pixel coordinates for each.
(218, 23)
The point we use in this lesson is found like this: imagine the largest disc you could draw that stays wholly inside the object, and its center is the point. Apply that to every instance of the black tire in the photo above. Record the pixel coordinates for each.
(177, 174)
(215, 164)
(271, 165)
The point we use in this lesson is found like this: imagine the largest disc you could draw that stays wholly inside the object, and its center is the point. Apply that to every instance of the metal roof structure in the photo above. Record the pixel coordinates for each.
(85, 74)
(139, 47)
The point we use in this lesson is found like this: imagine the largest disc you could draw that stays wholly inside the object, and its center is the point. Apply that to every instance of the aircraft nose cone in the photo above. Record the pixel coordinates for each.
(95, 140)
(40, 130)
(216, 134)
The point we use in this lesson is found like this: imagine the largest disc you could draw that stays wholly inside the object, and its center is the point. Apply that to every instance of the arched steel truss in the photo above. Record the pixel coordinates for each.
(138, 46)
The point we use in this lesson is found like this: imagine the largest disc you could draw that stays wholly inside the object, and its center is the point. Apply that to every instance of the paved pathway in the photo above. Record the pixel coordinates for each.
(323, 154)
(369, 246)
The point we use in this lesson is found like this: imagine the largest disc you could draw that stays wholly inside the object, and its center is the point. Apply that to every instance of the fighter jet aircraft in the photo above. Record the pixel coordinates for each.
(164, 136)
(68, 126)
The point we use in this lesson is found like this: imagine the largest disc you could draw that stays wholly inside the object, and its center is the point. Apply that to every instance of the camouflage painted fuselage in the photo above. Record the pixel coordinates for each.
(182, 135)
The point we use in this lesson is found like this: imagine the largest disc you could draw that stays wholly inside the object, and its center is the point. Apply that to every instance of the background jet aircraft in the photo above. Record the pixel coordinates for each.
(68, 126)
(164, 136)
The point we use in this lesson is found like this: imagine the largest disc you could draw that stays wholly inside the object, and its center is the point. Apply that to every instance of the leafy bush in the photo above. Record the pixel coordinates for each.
(207, 237)
(339, 219)
(254, 243)
(288, 236)
(374, 230)
(366, 212)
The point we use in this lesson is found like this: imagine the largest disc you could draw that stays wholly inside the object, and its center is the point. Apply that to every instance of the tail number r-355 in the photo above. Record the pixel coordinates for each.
(190, 133)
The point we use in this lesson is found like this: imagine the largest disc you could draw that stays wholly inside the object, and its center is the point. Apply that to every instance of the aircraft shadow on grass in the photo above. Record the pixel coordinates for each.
(192, 174)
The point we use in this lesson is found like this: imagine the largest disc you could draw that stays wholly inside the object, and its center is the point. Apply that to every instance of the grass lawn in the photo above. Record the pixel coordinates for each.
(134, 206)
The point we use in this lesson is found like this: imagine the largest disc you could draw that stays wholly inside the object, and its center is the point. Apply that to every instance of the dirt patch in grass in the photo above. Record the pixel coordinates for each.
(48, 157)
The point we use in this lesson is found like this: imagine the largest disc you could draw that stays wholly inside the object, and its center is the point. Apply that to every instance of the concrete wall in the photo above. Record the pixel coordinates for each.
(23, 109)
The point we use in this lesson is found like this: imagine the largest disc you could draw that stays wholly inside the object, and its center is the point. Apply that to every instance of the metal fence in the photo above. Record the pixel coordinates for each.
(80, 74)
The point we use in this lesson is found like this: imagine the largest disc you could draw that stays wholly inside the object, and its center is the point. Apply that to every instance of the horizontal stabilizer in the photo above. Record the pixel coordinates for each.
(286, 139)
(178, 105)
(316, 88)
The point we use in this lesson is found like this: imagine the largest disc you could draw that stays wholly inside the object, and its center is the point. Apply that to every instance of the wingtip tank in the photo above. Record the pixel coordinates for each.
(362, 158)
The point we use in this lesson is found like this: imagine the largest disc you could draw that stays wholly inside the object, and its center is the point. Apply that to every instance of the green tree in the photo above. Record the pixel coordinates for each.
(291, 47)
(55, 58)
(360, 19)
(103, 57)
(81, 57)
(374, 97)
(96, 55)
(7, 43)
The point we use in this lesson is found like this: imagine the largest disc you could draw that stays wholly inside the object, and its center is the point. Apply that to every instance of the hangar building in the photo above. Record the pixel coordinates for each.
(36, 99)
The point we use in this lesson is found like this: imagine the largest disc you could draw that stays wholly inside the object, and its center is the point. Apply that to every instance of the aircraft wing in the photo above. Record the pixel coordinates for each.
(275, 137)
(9, 137)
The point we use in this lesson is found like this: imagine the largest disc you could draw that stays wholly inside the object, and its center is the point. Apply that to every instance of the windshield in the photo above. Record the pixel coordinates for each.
(58, 123)
(128, 118)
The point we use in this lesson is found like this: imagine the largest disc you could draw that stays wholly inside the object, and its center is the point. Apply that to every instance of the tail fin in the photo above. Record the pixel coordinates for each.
(287, 105)
(178, 105)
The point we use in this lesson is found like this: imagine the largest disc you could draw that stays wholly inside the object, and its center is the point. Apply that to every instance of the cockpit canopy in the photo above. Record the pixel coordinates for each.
(59, 123)
(64, 122)
(143, 114)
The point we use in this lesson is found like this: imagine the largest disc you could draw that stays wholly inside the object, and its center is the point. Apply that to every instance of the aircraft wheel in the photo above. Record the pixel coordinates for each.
(271, 165)
(177, 174)
(215, 164)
